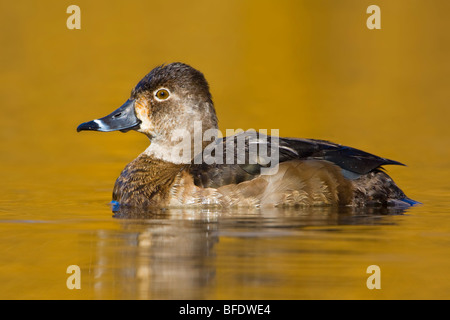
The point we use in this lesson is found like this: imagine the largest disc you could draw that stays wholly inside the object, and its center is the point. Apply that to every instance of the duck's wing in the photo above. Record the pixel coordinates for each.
(241, 157)
(353, 160)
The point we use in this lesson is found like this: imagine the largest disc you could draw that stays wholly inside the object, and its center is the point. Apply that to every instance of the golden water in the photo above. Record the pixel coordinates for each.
(308, 68)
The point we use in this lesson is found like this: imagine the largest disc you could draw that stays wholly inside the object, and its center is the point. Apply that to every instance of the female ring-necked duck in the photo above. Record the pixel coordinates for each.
(174, 98)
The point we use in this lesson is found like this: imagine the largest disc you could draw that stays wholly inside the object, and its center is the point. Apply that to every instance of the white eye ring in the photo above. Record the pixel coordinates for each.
(165, 94)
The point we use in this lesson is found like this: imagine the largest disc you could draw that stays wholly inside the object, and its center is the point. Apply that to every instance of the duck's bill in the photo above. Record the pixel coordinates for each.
(123, 119)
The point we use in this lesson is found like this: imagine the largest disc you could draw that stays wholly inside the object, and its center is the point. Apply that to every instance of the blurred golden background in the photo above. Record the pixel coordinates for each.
(311, 69)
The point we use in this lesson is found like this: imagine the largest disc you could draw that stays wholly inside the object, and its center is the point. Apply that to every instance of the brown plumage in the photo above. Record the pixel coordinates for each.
(150, 182)
(146, 181)
(173, 98)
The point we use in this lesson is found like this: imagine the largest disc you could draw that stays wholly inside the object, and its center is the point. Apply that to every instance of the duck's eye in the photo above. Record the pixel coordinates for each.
(162, 94)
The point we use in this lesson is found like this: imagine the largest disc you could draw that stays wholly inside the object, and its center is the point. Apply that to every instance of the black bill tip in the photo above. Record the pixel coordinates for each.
(90, 125)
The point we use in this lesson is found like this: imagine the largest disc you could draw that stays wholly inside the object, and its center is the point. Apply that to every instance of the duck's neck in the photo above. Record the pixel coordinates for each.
(181, 145)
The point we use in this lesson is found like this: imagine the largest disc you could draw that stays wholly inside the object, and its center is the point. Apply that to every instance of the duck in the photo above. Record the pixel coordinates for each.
(190, 164)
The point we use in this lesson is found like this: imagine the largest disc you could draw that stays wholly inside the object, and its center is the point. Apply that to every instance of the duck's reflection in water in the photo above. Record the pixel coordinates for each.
(171, 254)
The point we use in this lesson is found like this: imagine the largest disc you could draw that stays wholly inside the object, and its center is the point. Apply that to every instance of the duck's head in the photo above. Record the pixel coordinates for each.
(171, 98)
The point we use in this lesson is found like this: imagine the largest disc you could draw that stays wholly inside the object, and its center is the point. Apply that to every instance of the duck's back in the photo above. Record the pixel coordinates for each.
(346, 175)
